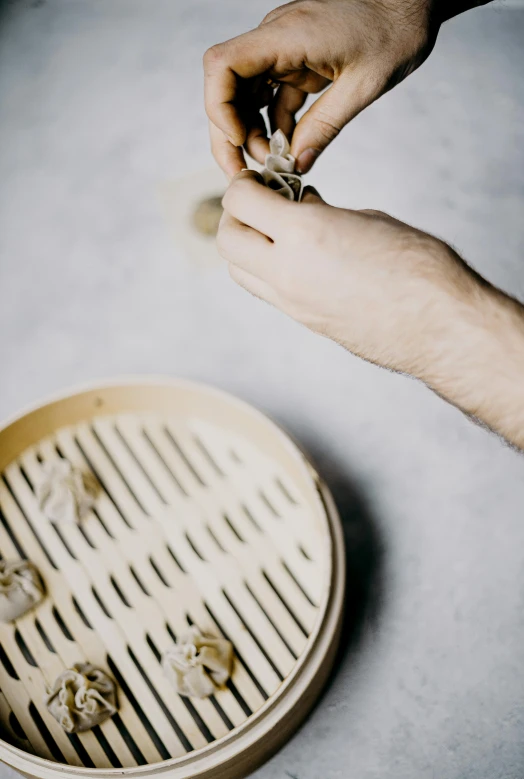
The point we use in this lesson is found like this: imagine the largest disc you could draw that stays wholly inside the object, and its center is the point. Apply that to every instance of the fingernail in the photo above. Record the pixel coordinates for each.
(306, 160)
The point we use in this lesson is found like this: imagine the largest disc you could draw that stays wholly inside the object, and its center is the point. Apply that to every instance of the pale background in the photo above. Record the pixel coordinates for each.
(100, 108)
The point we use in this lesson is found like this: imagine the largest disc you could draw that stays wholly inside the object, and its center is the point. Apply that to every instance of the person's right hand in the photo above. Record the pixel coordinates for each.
(361, 47)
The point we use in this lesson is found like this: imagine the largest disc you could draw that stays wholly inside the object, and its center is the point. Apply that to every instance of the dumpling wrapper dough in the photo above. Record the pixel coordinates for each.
(279, 159)
(287, 184)
(21, 588)
(279, 145)
(82, 697)
(279, 172)
(65, 493)
(198, 665)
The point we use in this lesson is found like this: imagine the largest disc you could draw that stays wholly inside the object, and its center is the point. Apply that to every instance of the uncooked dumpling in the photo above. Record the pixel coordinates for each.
(279, 172)
(198, 665)
(21, 588)
(82, 697)
(65, 493)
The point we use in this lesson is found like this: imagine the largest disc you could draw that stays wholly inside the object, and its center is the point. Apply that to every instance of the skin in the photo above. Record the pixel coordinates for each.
(358, 48)
(385, 291)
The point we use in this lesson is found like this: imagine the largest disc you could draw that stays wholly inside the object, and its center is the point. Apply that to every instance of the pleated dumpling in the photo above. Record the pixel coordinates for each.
(279, 172)
(82, 697)
(198, 665)
(65, 493)
(21, 588)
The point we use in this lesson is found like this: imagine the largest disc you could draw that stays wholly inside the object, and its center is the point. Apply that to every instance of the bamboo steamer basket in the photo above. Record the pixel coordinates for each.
(207, 514)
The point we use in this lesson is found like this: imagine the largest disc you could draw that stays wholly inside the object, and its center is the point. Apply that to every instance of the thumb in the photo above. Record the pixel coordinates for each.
(311, 195)
(327, 116)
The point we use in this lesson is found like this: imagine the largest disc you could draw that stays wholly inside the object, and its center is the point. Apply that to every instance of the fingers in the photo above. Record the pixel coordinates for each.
(241, 245)
(282, 109)
(225, 66)
(328, 115)
(252, 97)
(257, 206)
(257, 142)
(220, 91)
(229, 157)
(305, 79)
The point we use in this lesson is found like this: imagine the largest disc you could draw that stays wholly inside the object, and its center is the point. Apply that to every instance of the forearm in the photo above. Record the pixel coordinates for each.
(478, 365)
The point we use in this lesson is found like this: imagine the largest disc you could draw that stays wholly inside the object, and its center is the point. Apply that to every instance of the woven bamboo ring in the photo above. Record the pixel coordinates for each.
(207, 514)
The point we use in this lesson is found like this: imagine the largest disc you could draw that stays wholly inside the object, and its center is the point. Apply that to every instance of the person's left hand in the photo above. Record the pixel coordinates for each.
(384, 290)
(387, 292)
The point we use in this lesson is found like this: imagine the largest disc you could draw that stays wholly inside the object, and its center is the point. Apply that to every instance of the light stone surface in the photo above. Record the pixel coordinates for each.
(100, 107)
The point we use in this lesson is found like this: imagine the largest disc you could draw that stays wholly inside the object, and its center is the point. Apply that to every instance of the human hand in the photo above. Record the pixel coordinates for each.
(384, 290)
(361, 47)
(387, 292)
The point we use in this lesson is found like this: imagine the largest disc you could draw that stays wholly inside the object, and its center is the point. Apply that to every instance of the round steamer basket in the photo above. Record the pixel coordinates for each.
(206, 514)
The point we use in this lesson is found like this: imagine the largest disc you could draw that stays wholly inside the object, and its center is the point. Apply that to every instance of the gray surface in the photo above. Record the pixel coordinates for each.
(100, 104)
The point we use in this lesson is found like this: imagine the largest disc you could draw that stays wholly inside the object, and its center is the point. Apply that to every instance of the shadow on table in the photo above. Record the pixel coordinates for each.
(364, 555)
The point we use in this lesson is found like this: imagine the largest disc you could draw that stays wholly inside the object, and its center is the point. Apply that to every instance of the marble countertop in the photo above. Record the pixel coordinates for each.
(100, 108)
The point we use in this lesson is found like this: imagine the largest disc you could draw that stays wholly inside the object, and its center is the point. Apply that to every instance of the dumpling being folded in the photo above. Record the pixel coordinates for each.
(82, 697)
(279, 172)
(198, 665)
(65, 493)
(21, 588)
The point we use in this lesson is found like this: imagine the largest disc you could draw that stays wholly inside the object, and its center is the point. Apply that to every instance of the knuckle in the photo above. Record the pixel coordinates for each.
(291, 13)
(215, 55)
(274, 14)
(326, 126)
(231, 197)
(303, 10)
(239, 188)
